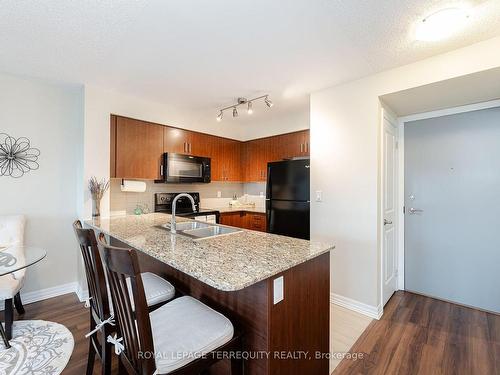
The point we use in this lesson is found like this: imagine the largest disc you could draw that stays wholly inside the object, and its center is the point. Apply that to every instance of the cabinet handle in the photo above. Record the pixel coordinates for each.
(161, 170)
(185, 147)
(307, 147)
(190, 147)
(301, 147)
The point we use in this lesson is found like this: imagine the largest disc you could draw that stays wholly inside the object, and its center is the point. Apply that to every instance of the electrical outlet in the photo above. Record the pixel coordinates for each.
(261, 194)
(319, 196)
(219, 194)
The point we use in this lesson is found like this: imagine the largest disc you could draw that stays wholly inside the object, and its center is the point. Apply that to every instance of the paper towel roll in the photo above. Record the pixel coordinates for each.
(133, 186)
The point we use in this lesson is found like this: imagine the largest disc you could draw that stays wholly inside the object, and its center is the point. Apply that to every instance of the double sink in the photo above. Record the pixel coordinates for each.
(200, 230)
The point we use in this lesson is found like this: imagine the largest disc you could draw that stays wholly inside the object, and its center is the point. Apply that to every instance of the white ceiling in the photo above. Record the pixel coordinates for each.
(201, 55)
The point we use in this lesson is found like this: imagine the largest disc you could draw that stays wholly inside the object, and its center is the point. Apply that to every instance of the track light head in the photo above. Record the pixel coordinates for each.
(268, 102)
(219, 117)
(235, 112)
(249, 110)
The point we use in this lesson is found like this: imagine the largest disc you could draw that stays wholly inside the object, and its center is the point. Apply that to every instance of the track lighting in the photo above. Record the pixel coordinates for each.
(242, 101)
(268, 102)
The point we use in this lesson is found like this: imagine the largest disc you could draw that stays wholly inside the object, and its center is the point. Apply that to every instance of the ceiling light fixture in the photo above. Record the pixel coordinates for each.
(441, 24)
(243, 101)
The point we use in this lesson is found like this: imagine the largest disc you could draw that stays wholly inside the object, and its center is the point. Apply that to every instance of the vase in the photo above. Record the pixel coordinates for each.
(96, 207)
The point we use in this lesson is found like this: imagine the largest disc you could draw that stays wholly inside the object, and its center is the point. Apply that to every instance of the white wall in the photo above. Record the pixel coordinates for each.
(50, 116)
(345, 156)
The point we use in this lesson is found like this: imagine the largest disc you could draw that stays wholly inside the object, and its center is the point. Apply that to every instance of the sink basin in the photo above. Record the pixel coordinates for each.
(210, 231)
(187, 225)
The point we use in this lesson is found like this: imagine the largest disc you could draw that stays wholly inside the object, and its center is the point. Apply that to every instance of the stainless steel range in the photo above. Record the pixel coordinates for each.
(163, 203)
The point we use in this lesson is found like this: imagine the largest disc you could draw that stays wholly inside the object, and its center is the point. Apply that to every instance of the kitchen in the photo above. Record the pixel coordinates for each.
(235, 185)
(292, 223)
(163, 176)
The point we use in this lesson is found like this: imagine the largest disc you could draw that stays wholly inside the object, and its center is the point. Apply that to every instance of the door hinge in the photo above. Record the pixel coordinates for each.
(404, 210)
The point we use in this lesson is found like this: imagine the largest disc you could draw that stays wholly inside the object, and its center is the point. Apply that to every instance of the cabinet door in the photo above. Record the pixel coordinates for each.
(175, 140)
(200, 144)
(234, 219)
(139, 146)
(256, 160)
(256, 221)
(232, 160)
(306, 139)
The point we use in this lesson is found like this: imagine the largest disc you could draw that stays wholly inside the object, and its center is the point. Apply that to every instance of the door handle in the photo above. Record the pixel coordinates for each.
(387, 222)
(415, 210)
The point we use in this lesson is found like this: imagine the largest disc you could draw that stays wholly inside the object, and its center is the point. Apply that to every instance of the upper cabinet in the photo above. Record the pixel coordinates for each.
(136, 148)
(257, 153)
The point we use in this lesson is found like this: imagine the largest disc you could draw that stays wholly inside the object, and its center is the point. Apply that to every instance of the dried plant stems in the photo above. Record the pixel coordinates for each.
(98, 188)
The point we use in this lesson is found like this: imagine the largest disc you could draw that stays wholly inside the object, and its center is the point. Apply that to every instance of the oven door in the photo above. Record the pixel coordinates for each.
(179, 168)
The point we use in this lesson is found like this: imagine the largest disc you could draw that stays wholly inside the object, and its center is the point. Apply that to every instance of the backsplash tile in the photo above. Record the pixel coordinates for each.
(121, 202)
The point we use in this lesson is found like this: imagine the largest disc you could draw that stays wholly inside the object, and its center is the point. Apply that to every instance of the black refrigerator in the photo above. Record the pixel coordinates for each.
(287, 198)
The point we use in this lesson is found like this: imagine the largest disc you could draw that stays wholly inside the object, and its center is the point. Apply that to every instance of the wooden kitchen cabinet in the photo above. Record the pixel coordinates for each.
(243, 219)
(257, 153)
(136, 148)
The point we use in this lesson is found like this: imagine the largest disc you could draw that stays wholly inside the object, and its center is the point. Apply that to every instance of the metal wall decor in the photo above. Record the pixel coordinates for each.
(16, 156)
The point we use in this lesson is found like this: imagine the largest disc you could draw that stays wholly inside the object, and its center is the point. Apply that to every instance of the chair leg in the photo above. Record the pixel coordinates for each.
(236, 366)
(105, 356)
(90, 358)
(19, 304)
(9, 318)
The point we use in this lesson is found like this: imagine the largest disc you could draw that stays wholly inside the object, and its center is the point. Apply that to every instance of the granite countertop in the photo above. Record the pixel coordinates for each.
(228, 262)
(260, 210)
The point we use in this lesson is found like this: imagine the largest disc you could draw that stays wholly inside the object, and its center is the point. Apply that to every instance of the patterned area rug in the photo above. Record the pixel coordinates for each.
(37, 347)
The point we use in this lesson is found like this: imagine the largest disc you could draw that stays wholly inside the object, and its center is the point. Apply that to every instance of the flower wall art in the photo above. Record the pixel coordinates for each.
(17, 156)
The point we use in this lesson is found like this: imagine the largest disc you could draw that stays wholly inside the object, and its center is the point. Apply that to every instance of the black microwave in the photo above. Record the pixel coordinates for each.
(180, 168)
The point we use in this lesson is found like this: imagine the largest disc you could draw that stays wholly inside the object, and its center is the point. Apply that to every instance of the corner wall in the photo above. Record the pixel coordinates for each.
(345, 128)
(51, 117)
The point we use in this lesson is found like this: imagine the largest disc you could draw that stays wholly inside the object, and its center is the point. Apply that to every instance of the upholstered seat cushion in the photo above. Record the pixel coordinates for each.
(184, 329)
(12, 233)
(9, 286)
(156, 288)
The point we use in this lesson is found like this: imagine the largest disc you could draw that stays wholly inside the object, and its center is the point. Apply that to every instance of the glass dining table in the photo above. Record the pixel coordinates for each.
(15, 258)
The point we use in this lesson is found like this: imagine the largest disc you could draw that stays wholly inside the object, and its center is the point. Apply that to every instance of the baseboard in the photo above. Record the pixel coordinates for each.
(374, 312)
(82, 292)
(39, 295)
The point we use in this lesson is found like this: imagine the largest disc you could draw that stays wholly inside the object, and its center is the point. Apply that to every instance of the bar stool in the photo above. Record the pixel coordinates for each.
(158, 291)
(183, 336)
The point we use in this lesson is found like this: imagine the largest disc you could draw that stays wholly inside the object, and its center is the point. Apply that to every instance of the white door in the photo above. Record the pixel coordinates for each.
(389, 208)
(452, 199)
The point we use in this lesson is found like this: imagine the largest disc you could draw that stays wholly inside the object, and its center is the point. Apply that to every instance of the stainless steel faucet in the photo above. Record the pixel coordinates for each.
(174, 205)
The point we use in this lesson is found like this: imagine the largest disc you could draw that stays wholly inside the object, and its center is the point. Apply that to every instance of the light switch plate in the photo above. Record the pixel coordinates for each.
(278, 290)
(319, 196)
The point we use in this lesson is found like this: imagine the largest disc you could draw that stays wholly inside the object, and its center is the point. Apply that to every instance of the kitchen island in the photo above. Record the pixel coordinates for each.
(240, 274)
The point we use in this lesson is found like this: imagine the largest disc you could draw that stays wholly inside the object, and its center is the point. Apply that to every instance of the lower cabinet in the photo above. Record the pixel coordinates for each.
(243, 219)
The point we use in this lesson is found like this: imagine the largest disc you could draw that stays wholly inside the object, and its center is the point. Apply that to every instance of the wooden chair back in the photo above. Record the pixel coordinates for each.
(133, 324)
(94, 271)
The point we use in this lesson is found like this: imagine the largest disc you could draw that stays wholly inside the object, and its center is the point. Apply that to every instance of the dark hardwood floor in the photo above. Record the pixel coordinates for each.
(416, 335)
(421, 335)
